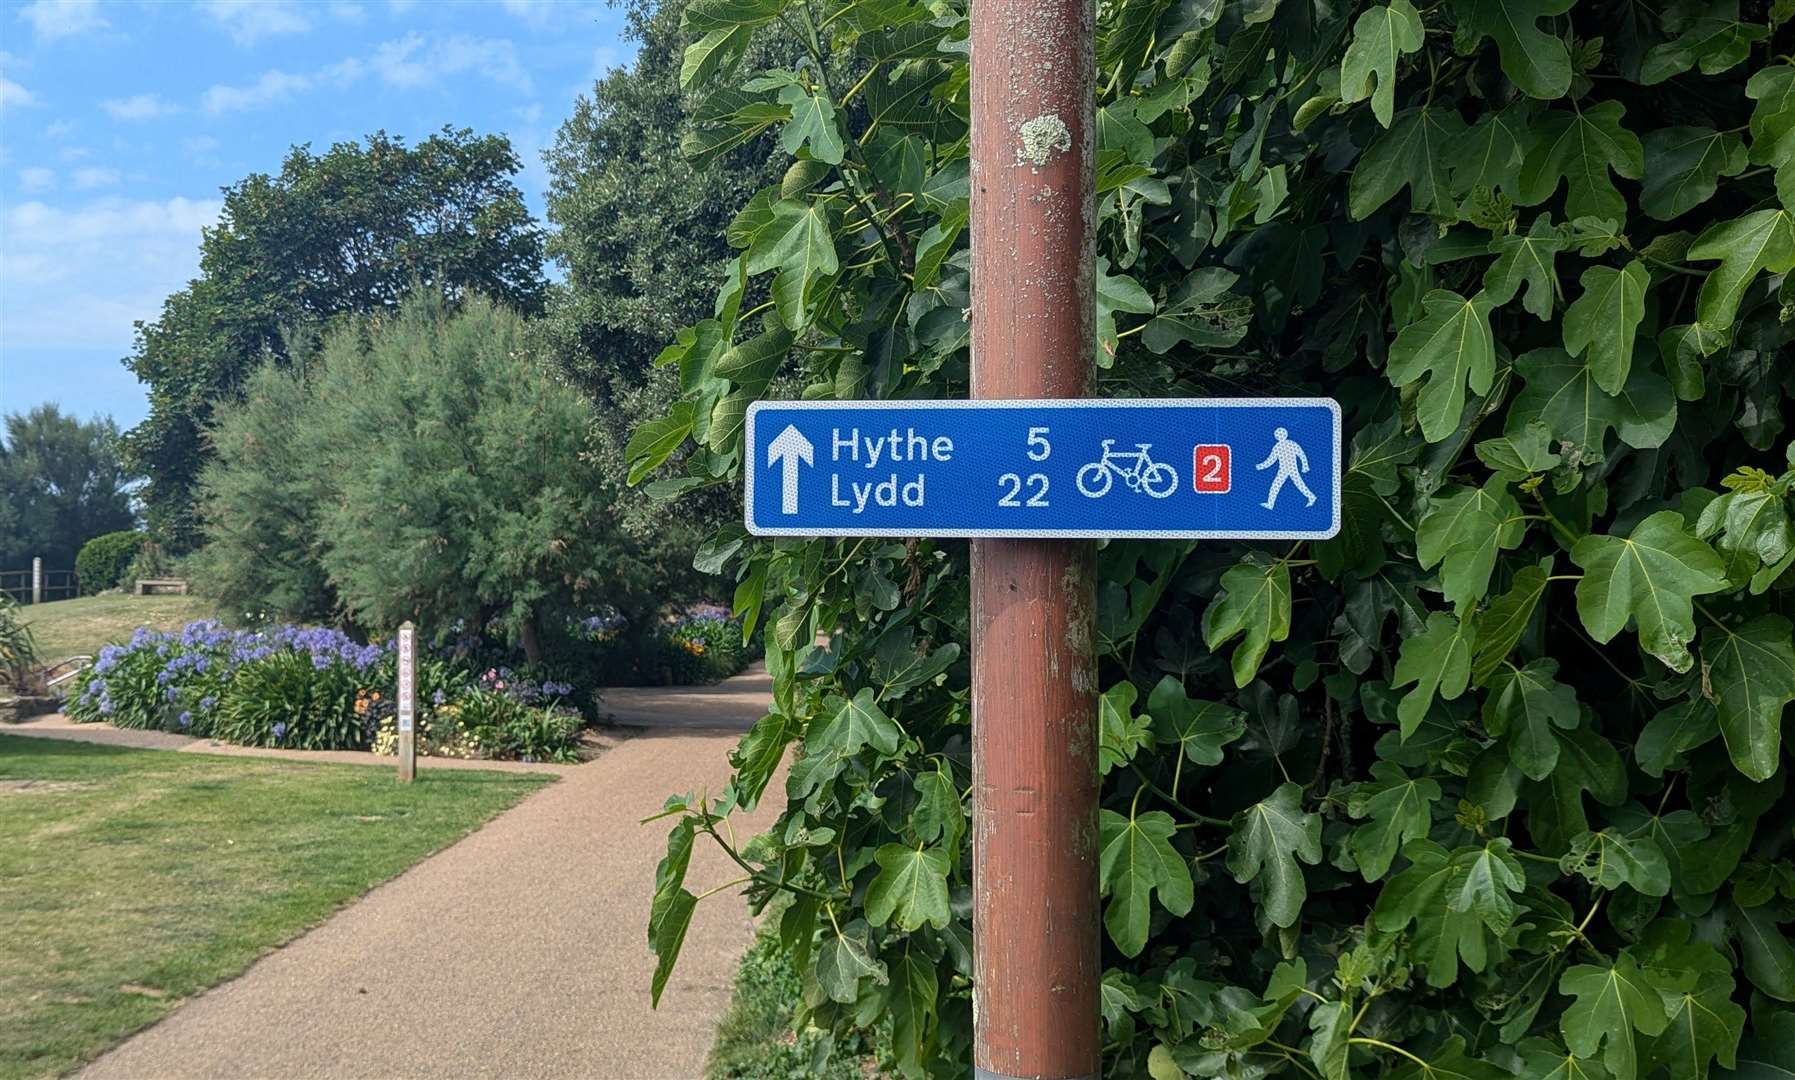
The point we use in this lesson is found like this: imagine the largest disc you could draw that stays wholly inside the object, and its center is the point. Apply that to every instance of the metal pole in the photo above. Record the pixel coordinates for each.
(1035, 903)
(37, 581)
(407, 703)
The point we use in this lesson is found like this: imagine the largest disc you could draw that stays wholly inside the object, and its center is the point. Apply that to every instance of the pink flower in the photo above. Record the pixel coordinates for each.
(498, 686)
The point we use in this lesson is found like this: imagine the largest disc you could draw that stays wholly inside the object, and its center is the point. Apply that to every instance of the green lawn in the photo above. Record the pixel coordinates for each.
(79, 627)
(130, 879)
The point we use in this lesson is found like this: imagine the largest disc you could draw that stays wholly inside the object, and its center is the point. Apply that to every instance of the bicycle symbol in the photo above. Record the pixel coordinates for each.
(1153, 477)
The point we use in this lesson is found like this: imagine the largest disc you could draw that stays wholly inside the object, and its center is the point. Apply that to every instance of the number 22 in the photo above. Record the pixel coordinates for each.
(1035, 480)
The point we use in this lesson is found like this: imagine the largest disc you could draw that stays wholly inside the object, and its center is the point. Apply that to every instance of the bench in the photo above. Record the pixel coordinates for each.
(148, 586)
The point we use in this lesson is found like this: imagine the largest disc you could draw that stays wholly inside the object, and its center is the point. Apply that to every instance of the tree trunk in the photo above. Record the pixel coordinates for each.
(532, 640)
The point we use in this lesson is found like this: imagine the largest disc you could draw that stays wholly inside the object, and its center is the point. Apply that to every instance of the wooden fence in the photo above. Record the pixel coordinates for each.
(57, 585)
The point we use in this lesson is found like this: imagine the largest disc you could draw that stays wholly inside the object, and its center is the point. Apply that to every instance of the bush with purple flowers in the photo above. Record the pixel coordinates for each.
(701, 645)
(313, 689)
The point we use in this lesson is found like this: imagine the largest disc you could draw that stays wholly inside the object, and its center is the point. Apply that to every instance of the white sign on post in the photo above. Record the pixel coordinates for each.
(408, 676)
(37, 581)
(408, 685)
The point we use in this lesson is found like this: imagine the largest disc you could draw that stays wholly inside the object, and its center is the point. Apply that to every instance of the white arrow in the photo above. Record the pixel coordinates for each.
(790, 446)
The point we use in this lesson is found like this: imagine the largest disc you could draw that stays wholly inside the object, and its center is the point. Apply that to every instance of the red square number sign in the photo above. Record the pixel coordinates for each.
(1210, 470)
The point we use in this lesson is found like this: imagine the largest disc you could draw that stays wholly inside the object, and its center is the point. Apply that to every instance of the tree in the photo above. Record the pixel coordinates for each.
(348, 231)
(62, 485)
(639, 229)
(1491, 784)
(426, 464)
(260, 502)
(641, 236)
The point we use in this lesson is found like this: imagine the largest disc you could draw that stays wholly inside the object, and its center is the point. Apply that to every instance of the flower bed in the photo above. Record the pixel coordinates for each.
(318, 689)
(704, 645)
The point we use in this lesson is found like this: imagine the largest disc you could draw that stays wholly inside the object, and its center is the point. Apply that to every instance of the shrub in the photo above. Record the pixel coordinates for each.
(18, 649)
(288, 699)
(316, 689)
(287, 687)
(702, 646)
(1491, 784)
(104, 560)
(499, 724)
(151, 561)
(759, 1039)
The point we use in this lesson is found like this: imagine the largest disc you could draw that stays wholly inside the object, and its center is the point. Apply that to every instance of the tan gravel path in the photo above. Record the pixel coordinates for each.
(519, 952)
(733, 704)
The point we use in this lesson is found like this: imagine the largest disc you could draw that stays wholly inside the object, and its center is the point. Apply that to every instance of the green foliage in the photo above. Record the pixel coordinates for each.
(102, 561)
(61, 485)
(501, 726)
(284, 700)
(18, 647)
(318, 690)
(756, 1039)
(349, 231)
(429, 467)
(1498, 773)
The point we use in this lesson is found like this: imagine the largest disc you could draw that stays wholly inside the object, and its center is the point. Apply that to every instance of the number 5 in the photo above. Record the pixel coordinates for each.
(1037, 436)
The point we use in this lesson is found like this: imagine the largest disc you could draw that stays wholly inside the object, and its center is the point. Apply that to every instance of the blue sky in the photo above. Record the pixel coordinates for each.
(119, 122)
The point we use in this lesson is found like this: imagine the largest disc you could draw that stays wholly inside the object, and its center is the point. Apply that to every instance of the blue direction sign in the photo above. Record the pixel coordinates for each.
(1226, 468)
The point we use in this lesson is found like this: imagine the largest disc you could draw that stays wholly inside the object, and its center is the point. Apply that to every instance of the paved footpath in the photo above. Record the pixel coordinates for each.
(519, 952)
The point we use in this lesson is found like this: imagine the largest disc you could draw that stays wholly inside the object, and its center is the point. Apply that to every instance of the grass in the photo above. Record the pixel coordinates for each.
(131, 879)
(79, 627)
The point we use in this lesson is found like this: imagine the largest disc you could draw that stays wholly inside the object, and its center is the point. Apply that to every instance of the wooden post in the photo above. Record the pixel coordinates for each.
(408, 692)
(1034, 711)
(37, 581)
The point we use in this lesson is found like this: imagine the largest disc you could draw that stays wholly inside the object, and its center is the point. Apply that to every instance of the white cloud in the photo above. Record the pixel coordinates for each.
(343, 73)
(140, 107)
(534, 12)
(199, 144)
(80, 276)
(274, 86)
(36, 178)
(411, 62)
(343, 11)
(75, 153)
(249, 21)
(89, 178)
(58, 129)
(400, 7)
(52, 19)
(13, 96)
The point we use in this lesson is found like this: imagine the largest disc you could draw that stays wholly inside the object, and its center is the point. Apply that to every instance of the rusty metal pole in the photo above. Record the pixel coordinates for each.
(1035, 903)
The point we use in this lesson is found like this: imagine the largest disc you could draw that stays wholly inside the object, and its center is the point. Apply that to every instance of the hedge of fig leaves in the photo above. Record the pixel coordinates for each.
(1492, 784)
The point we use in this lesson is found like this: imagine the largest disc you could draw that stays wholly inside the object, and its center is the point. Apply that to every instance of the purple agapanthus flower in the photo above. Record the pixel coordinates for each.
(172, 694)
(186, 719)
(280, 731)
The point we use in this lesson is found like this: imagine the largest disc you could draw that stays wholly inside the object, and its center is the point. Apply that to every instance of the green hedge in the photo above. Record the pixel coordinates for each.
(102, 563)
(1494, 783)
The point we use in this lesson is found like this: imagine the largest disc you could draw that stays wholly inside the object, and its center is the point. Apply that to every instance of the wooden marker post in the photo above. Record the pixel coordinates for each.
(408, 692)
(37, 581)
(1034, 706)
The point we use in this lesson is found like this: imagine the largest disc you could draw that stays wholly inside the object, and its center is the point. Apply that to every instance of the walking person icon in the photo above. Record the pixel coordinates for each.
(1289, 457)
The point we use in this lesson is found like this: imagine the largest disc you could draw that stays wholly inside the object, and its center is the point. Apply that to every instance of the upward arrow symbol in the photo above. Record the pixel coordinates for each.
(790, 446)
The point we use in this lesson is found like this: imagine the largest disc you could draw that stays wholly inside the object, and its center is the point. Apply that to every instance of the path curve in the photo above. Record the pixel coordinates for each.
(521, 951)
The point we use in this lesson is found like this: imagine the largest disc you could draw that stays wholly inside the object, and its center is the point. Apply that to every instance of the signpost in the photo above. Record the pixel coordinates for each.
(37, 581)
(1206, 468)
(408, 692)
(1028, 469)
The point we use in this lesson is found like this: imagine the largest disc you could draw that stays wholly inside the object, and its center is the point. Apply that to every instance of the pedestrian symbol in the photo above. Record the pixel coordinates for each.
(1288, 456)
